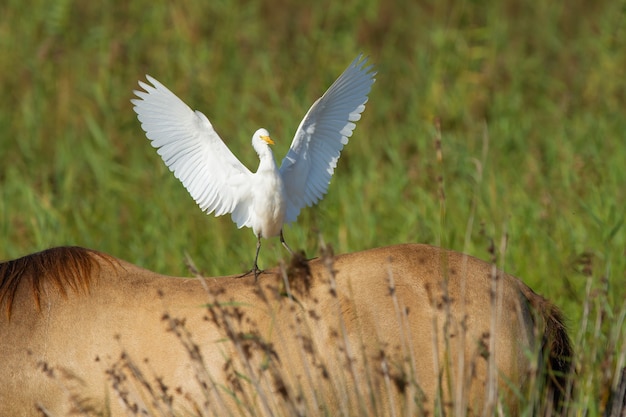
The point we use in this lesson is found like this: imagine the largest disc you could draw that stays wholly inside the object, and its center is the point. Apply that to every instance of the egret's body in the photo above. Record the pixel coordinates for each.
(272, 196)
(269, 201)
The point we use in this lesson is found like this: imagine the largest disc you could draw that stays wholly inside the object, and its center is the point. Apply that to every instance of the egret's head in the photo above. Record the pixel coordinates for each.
(263, 135)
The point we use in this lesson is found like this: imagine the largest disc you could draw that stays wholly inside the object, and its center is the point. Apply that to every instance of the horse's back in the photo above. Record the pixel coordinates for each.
(331, 333)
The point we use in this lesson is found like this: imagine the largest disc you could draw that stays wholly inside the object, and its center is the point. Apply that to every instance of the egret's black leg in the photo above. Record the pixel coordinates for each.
(282, 240)
(257, 271)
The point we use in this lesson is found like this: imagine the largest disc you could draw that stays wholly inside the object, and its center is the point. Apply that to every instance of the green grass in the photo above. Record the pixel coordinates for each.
(530, 101)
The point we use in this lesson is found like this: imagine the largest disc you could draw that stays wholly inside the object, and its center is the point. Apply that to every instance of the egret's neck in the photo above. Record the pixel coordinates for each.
(267, 161)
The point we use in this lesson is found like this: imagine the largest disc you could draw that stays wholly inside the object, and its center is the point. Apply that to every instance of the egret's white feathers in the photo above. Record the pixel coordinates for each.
(325, 129)
(194, 152)
(221, 184)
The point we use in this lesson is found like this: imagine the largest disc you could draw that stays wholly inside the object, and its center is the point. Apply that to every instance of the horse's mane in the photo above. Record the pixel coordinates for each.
(63, 267)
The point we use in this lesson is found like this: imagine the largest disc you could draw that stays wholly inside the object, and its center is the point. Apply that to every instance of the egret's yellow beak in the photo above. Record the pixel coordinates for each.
(267, 140)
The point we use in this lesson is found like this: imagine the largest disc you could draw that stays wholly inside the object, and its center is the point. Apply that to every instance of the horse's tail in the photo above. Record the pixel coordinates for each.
(557, 354)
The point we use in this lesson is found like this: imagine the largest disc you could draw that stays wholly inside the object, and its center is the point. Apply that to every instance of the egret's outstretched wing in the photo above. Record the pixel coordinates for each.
(325, 129)
(194, 152)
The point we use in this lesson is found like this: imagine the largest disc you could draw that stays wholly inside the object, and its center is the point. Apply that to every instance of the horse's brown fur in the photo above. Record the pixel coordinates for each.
(362, 333)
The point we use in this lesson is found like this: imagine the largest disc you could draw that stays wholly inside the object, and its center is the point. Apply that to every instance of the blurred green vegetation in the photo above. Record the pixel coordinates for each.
(529, 99)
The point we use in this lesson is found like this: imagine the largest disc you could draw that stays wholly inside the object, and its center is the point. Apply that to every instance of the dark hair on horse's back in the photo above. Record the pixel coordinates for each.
(64, 268)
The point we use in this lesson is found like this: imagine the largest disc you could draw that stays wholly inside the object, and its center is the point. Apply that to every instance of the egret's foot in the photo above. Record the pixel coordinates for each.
(245, 274)
(298, 257)
(254, 270)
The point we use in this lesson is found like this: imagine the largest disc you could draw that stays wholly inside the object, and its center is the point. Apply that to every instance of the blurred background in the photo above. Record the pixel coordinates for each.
(496, 128)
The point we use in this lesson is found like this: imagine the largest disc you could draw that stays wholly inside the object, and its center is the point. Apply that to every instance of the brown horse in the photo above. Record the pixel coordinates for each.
(401, 330)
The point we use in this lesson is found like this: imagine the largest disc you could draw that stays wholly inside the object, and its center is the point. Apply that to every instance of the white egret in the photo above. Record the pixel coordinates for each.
(221, 184)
